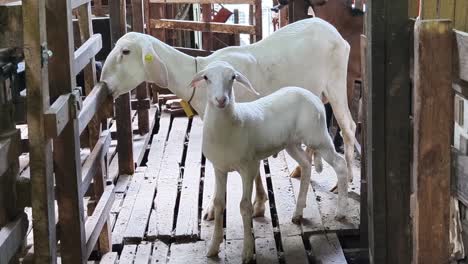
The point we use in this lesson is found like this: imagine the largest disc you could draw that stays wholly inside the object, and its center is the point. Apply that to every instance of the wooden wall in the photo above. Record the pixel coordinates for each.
(455, 10)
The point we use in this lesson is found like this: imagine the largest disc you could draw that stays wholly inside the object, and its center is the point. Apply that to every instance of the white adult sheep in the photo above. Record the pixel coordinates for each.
(309, 53)
(238, 136)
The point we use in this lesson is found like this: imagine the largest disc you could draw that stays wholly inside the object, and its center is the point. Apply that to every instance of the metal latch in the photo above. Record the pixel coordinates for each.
(46, 54)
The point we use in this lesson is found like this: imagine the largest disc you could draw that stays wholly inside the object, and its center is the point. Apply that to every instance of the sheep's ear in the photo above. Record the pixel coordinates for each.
(197, 78)
(245, 82)
(155, 68)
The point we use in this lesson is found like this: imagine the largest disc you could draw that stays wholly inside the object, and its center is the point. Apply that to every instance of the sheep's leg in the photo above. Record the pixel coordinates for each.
(248, 175)
(219, 204)
(303, 158)
(339, 165)
(296, 173)
(260, 198)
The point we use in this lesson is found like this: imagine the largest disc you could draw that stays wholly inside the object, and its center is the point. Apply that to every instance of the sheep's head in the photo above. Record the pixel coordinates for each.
(131, 62)
(219, 78)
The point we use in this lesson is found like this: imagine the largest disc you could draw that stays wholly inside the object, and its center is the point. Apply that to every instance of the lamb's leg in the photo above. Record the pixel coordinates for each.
(260, 198)
(248, 175)
(339, 165)
(259, 205)
(296, 173)
(303, 159)
(219, 204)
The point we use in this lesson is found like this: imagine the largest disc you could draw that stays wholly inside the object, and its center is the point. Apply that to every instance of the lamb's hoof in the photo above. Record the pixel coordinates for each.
(247, 256)
(258, 209)
(297, 219)
(209, 214)
(296, 173)
(350, 179)
(213, 252)
(334, 189)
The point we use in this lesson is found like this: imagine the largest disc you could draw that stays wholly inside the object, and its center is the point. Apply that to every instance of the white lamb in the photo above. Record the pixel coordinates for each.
(309, 53)
(237, 136)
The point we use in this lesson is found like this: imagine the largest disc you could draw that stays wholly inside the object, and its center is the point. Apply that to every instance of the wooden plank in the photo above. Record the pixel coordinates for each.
(326, 248)
(294, 251)
(188, 253)
(11, 31)
(90, 166)
(429, 9)
(194, 52)
(140, 104)
(363, 225)
(207, 227)
(460, 88)
(202, 2)
(141, 141)
(447, 9)
(128, 254)
(234, 223)
(57, 116)
(433, 109)
(126, 210)
(8, 154)
(188, 216)
(168, 179)
(160, 252)
(460, 175)
(263, 226)
(124, 135)
(86, 52)
(312, 220)
(143, 253)
(258, 19)
(284, 197)
(109, 258)
(92, 104)
(11, 237)
(139, 218)
(461, 8)
(265, 251)
(96, 222)
(462, 44)
(77, 3)
(234, 251)
(388, 148)
(202, 26)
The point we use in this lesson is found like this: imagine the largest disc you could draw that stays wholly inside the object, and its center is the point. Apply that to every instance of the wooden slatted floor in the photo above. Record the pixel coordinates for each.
(157, 212)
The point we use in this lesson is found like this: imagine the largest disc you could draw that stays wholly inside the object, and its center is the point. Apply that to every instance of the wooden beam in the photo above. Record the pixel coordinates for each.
(364, 223)
(462, 52)
(90, 167)
(40, 147)
(93, 102)
(202, 2)
(460, 175)
(140, 104)
(86, 52)
(258, 20)
(202, 26)
(95, 223)
(433, 110)
(9, 152)
(12, 236)
(429, 9)
(388, 142)
(11, 31)
(57, 116)
(78, 3)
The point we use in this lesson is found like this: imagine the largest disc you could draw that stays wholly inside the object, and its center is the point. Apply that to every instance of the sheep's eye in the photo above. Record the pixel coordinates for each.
(125, 51)
(204, 77)
(234, 77)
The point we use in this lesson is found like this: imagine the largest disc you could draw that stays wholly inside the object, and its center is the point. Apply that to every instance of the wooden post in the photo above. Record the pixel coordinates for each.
(142, 90)
(388, 132)
(207, 37)
(10, 29)
(40, 147)
(433, 132)
(297, 10)
(258, 20)
(236, 21)
(363, 225)
(122, 104)
(67, 161)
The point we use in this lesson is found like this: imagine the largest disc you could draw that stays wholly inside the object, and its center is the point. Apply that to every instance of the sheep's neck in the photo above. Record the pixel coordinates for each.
(222, 117)
(181, 68)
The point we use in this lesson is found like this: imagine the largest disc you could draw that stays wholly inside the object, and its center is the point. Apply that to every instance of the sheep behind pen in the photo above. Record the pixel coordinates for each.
(309, 53)
(237, 136)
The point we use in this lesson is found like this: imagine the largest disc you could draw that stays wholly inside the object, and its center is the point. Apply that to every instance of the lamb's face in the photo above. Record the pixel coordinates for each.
(131, 62)
(219, 82)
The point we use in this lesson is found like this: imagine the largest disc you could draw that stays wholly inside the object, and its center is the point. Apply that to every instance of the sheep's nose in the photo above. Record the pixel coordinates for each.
(221, 101)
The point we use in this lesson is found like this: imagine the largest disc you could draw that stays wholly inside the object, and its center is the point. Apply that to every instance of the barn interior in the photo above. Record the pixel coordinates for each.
(89, 178)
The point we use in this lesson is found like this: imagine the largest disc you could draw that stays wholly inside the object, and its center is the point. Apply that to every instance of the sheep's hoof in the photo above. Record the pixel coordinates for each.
(297, 219)
(209, 214)
(334, 189)
(258, 209)
(296, 173)
(319, 167)
(213, 252)
(350, 179)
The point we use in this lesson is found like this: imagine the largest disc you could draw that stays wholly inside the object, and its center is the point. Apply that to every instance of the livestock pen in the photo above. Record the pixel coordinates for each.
(88, 179)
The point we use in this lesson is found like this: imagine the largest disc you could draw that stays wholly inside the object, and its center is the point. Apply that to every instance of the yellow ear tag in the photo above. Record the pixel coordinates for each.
(148, 57)
(187, 108)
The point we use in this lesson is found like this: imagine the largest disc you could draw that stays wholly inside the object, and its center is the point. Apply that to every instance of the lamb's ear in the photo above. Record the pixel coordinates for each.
(245, 82)
(155, 68)
(197, 78)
